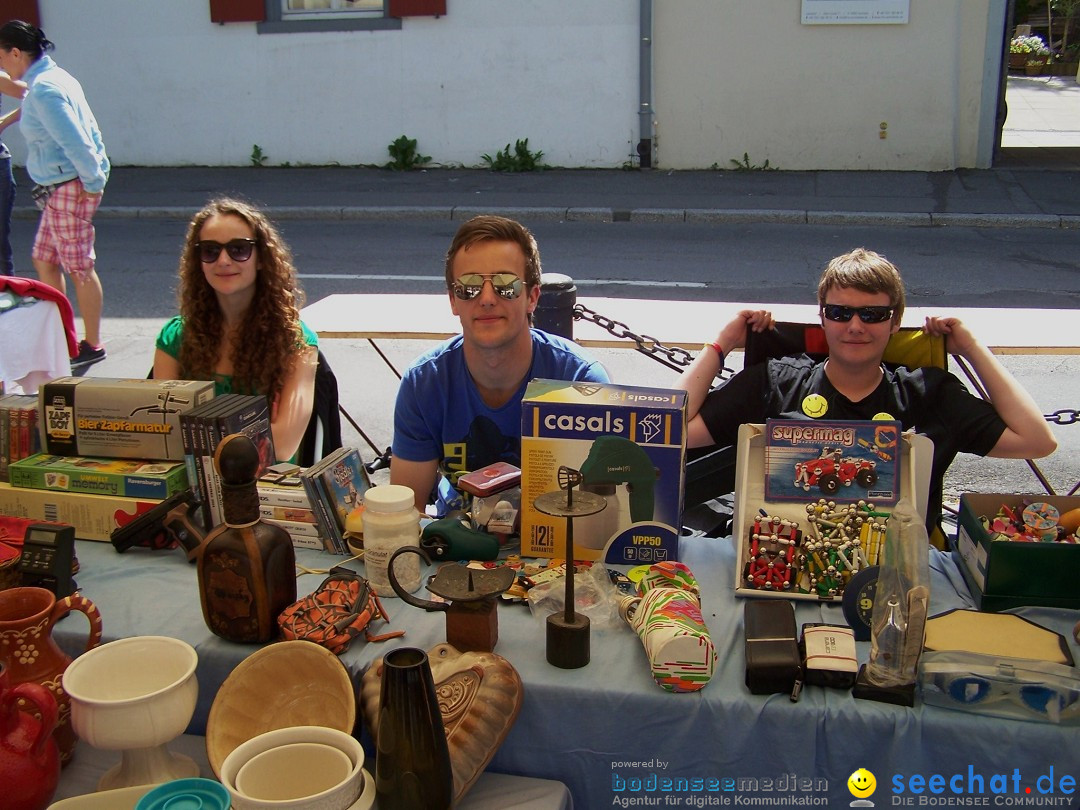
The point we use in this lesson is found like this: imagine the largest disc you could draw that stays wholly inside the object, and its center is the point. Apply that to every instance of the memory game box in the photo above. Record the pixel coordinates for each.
(629, 444)
(117, 418)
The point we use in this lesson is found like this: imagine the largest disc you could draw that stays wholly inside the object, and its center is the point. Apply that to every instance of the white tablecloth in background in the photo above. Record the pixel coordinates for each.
(33, 347)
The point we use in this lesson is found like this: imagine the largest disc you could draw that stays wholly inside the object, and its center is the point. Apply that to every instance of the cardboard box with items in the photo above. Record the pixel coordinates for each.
(809, 548)
(629, 444)
(1007, 548)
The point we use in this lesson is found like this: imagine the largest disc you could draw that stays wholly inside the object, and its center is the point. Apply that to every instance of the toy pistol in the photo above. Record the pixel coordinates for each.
(172, 516)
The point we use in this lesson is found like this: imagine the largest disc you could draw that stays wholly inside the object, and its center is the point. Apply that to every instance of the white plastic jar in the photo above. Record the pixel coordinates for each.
(391, 522)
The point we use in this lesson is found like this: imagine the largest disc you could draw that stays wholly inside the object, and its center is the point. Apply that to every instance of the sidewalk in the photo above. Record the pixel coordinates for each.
(1036, 183)
(1000, 197)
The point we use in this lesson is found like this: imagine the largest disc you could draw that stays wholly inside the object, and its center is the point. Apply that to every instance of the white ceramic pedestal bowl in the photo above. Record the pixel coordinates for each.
(135, 695)
(304, 789)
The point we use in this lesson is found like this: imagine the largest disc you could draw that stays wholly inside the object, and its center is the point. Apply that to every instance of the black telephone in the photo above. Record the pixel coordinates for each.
(48, 555)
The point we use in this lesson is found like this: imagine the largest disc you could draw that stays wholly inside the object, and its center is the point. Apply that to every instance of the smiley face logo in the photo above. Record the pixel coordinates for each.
(862, 784)
(814, 406)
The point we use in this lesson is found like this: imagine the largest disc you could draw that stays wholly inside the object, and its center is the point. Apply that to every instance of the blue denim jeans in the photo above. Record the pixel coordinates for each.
(7, 202)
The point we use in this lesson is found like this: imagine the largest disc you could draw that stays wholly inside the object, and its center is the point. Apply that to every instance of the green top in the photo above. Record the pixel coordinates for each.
(172, 335)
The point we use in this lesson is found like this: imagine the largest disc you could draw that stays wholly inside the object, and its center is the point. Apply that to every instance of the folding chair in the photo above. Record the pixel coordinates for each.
(323, 433)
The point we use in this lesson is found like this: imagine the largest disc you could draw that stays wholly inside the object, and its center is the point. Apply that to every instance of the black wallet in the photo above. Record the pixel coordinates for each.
(773, 663)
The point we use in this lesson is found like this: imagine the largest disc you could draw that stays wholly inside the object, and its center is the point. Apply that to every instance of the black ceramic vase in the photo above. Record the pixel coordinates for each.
(412, 768)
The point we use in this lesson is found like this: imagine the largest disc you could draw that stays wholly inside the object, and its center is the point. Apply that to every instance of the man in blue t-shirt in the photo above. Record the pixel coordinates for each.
(459, 405)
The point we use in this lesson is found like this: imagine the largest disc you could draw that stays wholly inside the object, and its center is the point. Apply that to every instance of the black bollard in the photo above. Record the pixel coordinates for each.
(555, 310)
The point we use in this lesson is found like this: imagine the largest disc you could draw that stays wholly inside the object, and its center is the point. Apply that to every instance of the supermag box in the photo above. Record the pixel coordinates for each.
(117, 418)
(629, 443)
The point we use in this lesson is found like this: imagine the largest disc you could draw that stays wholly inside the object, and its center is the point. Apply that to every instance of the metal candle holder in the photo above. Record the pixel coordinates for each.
(568, 632)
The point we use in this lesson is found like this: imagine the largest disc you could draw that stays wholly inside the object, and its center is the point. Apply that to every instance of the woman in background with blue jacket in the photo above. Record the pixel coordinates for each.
(66, 160)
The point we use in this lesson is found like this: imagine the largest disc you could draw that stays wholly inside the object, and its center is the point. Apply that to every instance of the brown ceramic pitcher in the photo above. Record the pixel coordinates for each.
(27, 616)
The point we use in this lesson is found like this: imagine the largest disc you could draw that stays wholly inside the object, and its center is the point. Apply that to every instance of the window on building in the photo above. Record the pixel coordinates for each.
(289, 16)
(330, 9)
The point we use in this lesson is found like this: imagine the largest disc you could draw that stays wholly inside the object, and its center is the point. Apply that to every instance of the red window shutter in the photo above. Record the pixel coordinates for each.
(224, 11)
(415, 8)
(26, 10)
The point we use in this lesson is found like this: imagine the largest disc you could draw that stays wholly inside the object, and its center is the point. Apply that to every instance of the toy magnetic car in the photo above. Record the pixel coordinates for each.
(831, 470)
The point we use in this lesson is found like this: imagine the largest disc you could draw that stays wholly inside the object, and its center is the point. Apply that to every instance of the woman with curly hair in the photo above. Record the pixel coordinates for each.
(239, 322)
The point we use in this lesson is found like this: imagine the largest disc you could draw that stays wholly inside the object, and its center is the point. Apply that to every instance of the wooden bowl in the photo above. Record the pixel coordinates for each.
(289, 683)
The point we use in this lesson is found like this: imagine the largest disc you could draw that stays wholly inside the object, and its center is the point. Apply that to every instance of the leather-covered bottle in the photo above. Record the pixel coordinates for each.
(246, 566)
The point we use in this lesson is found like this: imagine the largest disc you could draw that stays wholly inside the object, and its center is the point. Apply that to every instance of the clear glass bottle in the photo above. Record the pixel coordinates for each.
(887, 643)
(390, 522)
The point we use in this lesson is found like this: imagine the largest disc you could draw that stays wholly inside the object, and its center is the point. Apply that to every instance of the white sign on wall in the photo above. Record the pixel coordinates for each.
(848, 12)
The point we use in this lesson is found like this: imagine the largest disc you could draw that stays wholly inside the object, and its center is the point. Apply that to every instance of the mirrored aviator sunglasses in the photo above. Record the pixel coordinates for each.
(842, 314)
(239, 250)
(506, 285)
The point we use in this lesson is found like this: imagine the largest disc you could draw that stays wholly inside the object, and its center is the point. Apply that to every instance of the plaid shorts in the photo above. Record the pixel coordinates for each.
(65, 234)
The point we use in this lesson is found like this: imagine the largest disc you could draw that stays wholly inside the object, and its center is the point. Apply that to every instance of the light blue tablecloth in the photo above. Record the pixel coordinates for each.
(609, 726)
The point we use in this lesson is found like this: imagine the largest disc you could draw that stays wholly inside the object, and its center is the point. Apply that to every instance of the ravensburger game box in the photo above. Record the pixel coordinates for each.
(130, 478)
(629, 443)
(117, 418)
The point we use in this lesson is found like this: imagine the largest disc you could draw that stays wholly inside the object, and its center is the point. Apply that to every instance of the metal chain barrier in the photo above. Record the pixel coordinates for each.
(1066, 416)
(677, 358)
(674, 357)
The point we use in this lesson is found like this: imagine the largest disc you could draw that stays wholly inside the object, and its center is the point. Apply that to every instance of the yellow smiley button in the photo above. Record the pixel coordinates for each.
(882, 416)
(814, 406)
(861, 783)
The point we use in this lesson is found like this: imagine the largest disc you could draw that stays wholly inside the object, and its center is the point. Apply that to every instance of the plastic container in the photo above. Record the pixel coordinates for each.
(391, 522)
(186, 794)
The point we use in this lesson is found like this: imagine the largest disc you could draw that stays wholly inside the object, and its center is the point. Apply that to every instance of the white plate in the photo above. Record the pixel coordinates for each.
(367, 796)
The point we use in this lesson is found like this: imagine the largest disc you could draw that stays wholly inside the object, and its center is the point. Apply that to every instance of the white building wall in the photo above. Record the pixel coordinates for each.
(750, 78)
(171, 88)
(729, 77)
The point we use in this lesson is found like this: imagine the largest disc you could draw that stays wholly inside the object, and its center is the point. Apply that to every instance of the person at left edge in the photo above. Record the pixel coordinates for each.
(15, 89)
(239, 322)
(459, 405)
(66, 160)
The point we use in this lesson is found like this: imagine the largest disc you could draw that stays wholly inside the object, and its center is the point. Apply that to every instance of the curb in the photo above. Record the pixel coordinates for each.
(696, 216)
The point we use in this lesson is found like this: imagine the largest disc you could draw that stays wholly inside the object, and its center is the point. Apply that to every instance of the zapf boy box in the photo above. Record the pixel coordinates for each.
(629, 444)
(117, 418)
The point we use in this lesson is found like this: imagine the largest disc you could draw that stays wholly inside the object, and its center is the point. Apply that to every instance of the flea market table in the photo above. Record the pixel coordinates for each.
(608, 728)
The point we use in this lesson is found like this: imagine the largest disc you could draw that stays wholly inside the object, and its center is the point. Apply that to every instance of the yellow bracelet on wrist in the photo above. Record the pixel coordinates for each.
(715, 347)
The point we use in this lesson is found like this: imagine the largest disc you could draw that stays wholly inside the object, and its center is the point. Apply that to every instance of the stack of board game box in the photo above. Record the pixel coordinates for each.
(110, 450)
